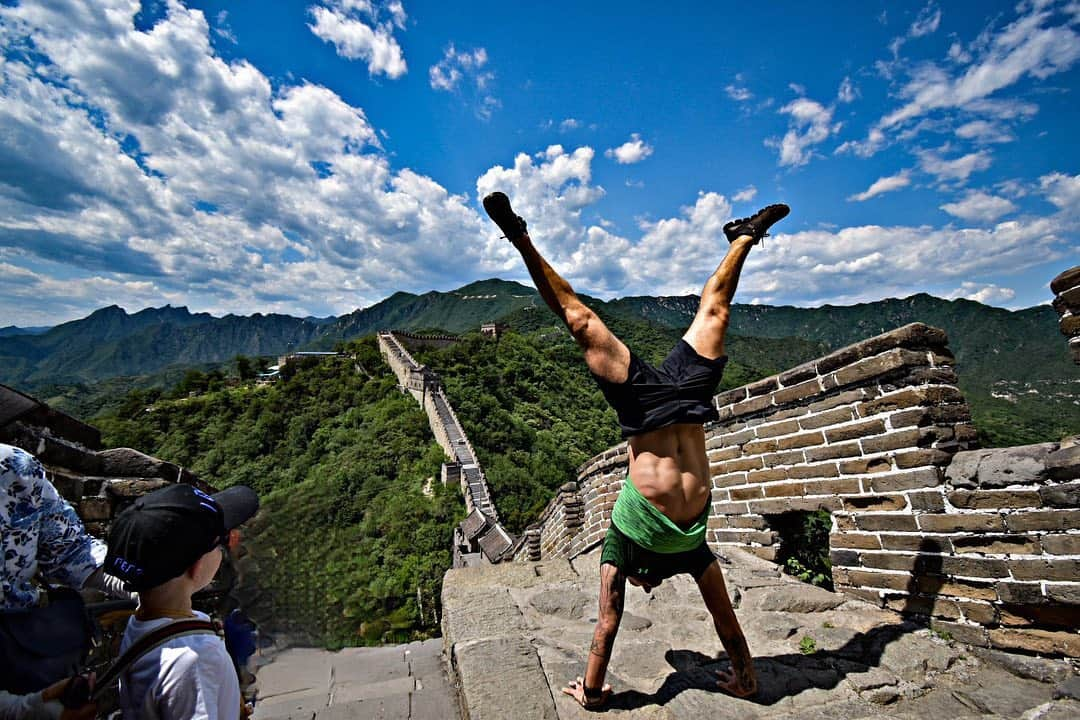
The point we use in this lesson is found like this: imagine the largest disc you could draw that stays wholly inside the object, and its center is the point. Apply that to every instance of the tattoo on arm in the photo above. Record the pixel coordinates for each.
(612, 599)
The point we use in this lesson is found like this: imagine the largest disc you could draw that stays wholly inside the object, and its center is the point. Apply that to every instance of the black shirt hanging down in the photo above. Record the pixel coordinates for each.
(679, 391)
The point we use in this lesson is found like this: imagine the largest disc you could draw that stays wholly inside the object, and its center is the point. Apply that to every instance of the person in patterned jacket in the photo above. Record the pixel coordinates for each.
(40, 535)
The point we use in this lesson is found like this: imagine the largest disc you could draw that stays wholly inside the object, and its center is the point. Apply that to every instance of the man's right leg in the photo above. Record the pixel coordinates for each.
(606, 355)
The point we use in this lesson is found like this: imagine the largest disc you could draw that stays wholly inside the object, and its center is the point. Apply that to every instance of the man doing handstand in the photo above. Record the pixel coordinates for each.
(658, 523)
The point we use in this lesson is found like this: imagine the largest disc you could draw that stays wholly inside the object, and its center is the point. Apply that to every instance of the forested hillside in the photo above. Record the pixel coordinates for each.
(348, 549)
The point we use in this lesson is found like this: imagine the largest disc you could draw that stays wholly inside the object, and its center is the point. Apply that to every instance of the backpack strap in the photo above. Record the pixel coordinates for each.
(149, 642)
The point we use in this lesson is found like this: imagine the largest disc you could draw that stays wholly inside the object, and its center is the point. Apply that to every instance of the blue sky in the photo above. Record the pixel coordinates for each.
(314, 157)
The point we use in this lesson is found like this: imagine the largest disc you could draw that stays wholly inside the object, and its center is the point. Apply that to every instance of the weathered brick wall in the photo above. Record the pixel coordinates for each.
(859, 432)
(97, 483)
(983, 541)
(417, 340)
(1066, 289)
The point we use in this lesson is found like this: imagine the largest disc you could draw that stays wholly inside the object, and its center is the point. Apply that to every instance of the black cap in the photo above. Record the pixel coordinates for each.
(164, 532)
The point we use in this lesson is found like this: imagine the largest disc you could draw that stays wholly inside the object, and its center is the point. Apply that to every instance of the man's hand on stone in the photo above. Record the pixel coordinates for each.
(732, 684)
(576, 690)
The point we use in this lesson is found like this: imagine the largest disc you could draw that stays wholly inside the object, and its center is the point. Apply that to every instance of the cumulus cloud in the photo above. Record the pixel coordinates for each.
(864, 263)
(957, 169)
(469, 66)
(448, 72)
(632, 151)
(1062, 190)
(132, 157)
(978, 206)
(569, 124)
(810, 124)
(883, 185)
(358, 31)
(747, 194)
(988, 294)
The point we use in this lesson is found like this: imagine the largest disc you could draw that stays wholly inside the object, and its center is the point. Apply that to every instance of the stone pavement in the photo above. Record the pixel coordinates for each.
(403, 682)
(518, 631)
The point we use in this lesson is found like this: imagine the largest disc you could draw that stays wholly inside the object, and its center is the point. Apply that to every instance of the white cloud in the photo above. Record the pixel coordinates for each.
(926, 23)
(1026, 47)
(983, 131)
(810, 124)
(225, 192)
(847, 91)
(738, 93)
(457, 66)
(978, 206)
(448, 72)
(1062, 190)
(569, 124)
(1036, 45)
(356, 32)
(988, 294)
(883, 185)
(747, 194)
(864, 263)
(632, 151)
(959, 169)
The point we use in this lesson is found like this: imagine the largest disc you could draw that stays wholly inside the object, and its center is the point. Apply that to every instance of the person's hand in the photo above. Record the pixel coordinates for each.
(86, 712)
(246, 710)
(576, 690)
(56, 690)
(737, 684)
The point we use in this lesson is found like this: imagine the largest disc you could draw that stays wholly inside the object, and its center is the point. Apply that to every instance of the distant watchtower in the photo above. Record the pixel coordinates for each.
(493, 329)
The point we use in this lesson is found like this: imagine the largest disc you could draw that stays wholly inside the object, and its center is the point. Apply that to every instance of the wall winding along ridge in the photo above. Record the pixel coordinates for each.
(987, 542)
(481, 536)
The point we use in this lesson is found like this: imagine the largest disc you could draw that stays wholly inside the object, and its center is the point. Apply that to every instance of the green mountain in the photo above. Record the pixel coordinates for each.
(1013, 365)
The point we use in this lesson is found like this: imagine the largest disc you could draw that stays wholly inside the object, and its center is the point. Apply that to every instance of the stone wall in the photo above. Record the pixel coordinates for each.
(424, 385)
(878, 435)
(1066, 289)
(429, 340)
(97, 482)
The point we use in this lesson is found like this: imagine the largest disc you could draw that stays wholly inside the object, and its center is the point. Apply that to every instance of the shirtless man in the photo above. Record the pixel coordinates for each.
(658, 523)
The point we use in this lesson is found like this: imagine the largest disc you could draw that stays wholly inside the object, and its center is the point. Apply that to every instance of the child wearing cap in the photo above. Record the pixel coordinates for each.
(167, 546)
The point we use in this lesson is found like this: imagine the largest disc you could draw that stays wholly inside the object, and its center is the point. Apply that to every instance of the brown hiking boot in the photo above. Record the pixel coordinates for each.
(758, 225)
(497, 206)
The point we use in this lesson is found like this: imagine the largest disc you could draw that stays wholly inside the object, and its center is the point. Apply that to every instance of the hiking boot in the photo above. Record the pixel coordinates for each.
(757, 225)
(497, 206)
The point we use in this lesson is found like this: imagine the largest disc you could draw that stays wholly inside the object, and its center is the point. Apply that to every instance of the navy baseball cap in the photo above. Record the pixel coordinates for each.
(164, 532)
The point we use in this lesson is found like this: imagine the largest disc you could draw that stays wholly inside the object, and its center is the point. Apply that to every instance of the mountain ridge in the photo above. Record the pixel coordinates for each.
(1000, 353)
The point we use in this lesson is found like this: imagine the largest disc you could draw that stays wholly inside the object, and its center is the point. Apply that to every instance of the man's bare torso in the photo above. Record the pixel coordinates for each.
(670, 468)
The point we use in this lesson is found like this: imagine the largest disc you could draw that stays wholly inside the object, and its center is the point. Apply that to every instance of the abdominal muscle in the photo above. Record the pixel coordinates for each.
(670, 469)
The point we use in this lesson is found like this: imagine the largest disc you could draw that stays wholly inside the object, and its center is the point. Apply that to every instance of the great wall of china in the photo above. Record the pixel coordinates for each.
(480, 537)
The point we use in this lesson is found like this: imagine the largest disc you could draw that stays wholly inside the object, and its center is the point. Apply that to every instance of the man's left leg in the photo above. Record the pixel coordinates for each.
(706, 332)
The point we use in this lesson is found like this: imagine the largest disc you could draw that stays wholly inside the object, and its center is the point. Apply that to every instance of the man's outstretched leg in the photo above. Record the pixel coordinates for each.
(605, 354)
(706, 332)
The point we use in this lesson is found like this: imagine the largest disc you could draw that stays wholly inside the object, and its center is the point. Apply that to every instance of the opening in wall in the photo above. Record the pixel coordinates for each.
(804, 545)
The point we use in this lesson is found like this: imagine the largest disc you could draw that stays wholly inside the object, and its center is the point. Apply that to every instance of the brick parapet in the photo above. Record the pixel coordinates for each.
(1066, 289)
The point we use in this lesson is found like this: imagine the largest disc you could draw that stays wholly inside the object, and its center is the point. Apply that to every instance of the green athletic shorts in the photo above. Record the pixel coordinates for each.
(652, 567)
